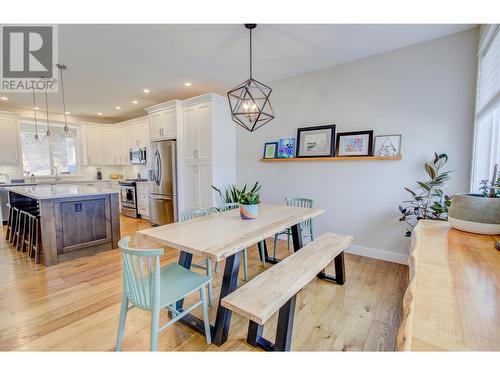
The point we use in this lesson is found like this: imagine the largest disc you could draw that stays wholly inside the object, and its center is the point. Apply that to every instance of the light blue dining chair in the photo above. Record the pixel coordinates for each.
(207, 263)
(149, 287)
(306, 229)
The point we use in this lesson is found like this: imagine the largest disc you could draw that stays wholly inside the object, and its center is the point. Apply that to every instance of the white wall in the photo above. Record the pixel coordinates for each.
(424, 92)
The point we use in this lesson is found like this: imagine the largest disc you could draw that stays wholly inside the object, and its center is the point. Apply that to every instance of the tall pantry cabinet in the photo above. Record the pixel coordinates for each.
(206, 146)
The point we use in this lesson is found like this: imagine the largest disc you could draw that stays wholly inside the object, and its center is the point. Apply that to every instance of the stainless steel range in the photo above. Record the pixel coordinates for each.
(128, 197)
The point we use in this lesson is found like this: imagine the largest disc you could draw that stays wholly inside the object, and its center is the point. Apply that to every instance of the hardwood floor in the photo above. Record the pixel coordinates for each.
(74, 306)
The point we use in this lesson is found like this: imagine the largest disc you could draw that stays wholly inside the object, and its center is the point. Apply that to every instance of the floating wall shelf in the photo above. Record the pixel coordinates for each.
(335, 158)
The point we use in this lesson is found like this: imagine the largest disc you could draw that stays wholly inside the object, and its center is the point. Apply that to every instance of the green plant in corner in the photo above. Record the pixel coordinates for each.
(490, 190)
(429, 201)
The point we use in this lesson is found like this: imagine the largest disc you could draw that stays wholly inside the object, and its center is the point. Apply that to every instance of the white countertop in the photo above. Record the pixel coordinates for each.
(53, 182)
(59, 191)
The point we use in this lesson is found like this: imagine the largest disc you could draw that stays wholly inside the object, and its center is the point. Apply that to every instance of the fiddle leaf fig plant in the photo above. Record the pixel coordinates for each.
(429, 201)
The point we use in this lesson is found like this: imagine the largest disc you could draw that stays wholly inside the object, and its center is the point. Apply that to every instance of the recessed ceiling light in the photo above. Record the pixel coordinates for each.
(147, 91)
(187, 84)
(99, 113)
(4, 98)
(36, 108)
(118, 107)
(134, 102)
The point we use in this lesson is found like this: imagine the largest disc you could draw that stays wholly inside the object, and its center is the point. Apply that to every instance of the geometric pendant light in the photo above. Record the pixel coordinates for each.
(249, 101)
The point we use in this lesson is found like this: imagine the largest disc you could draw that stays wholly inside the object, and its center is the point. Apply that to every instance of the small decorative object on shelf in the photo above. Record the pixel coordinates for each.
(270, 150)
(429, 202)
(286, 148)
(478, 213)
(387, 145)
(316, 141)
(354, 143)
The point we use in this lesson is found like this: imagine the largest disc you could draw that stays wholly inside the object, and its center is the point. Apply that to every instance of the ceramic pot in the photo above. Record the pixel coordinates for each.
(249, 211)
(475, 213)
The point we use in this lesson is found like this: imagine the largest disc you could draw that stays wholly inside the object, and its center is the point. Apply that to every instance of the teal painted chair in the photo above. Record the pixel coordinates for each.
(149, 287)
(306, 229)
(207, 263)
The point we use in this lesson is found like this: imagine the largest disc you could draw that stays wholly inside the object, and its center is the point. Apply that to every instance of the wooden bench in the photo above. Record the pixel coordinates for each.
(276, 288)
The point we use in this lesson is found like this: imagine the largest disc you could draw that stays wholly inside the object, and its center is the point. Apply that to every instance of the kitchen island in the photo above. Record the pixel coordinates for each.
(75, 220)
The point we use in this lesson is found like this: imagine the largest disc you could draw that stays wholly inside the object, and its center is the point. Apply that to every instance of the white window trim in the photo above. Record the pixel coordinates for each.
(43, 123)
(485, 43)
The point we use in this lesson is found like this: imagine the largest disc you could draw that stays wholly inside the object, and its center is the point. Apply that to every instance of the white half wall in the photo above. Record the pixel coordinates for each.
(424, 92)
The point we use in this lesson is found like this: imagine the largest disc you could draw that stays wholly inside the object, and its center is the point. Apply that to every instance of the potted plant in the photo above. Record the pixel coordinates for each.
(429, 201)
(247, 199)
(478, 213)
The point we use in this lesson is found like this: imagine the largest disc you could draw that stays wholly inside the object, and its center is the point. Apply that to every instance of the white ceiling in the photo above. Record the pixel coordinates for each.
(109, 65)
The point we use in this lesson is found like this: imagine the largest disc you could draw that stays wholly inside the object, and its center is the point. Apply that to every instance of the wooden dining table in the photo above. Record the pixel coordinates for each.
(224, 236)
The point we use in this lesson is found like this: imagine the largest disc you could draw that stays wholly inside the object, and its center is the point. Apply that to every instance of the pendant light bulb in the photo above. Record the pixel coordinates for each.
(67, 131)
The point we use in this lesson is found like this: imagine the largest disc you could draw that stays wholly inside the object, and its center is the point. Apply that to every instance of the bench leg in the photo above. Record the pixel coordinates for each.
(284, 330)
(296, 237)
(339, 277)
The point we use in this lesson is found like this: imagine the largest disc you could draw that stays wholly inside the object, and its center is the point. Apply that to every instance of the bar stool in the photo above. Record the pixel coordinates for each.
(20, 231)
(9, 223)
(13, 218)
(33, 238)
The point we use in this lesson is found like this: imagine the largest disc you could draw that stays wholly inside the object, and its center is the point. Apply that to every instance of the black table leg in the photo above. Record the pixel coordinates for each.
(263, 244)
(296, 237)
(284, 330)
(185, 260)
(229, 284)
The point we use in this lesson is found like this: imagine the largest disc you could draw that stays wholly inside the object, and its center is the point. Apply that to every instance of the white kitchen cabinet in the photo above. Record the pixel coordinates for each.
(143, 134)
(9, 140)
(143, 199)
(113, 146)
(94, 146)
(206, 149)
(164, 124)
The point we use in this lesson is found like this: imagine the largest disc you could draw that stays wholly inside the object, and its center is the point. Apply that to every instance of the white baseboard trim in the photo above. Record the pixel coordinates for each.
(378, 254)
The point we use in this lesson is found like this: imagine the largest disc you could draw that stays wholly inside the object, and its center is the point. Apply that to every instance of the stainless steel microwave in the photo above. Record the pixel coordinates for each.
(138, 155)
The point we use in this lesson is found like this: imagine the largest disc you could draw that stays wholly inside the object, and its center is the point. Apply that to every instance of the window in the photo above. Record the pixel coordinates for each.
(487, 132)
(41, 156)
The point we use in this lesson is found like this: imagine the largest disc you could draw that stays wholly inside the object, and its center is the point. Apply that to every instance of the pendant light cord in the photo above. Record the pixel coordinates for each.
(47, 108)
(34, 112)
(63, 99)
(251, 54)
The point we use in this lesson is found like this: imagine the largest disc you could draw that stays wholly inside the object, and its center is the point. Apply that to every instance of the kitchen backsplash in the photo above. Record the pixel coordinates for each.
(131, 171)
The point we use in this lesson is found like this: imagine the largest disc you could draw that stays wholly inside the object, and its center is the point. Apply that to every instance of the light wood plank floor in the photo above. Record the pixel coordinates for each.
(74, 306)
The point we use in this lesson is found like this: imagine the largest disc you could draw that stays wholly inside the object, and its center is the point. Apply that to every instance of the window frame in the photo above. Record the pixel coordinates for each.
(492, 32)
(42, 126)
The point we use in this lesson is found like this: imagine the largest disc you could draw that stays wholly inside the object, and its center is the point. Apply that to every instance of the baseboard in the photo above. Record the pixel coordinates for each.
(378, 254)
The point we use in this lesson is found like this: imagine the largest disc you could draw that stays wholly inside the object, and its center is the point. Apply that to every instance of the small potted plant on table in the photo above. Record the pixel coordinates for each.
(249, 205)
(248, 199)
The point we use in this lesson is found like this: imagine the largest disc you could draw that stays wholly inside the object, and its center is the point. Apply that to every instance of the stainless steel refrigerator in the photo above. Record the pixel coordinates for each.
(163, 183)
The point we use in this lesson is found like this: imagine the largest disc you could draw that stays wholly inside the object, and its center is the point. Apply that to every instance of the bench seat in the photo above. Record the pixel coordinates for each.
(269, 291)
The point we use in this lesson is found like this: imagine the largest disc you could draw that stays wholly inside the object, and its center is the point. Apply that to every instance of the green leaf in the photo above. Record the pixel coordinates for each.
(411, 192)
(424, 186)
(431, 170)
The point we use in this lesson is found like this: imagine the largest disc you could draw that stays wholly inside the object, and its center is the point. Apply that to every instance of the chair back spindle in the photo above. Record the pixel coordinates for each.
(141, 274)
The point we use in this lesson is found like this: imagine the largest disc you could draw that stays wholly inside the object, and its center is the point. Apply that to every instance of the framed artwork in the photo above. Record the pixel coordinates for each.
(316, 141)
(286, 148)
(355, 143)
(387, 145)
(270, 150)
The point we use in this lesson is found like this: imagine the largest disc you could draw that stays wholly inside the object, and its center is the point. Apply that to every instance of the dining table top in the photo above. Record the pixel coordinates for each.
(223, 234)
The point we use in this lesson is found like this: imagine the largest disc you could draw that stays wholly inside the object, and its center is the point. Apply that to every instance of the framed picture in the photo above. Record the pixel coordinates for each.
(286, 148)
(387, 145)
(270, 150)
(315, 141)
(355, 143)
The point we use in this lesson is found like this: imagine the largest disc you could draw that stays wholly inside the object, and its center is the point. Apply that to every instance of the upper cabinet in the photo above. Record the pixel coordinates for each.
(93, 150)
(111, 144)
(196, 128)
(164, 119)
(9, 141)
